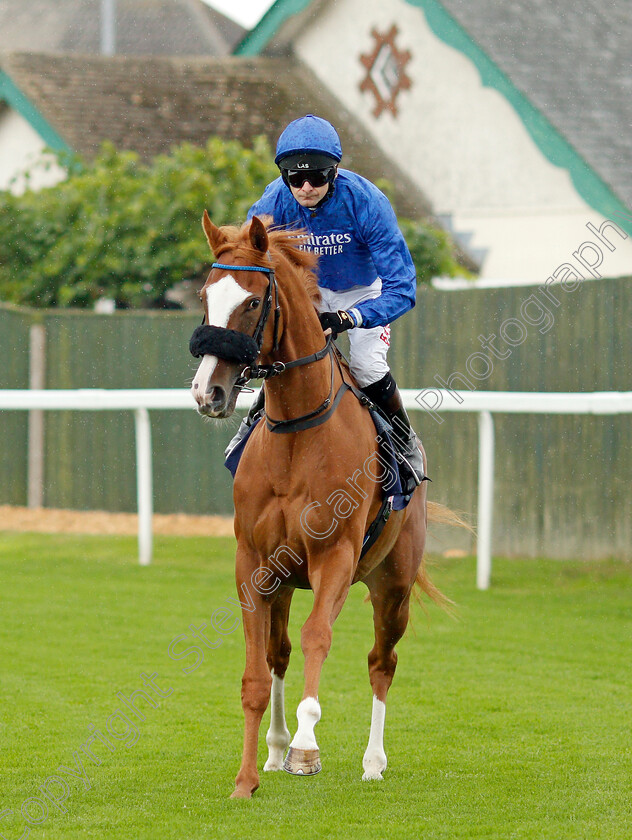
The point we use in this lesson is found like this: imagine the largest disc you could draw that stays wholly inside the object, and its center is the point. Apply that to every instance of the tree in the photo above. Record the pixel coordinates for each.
(127, 230)
(432, 251)
(123, 229)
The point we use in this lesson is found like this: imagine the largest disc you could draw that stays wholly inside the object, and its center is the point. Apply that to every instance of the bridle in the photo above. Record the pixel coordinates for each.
(235, 346)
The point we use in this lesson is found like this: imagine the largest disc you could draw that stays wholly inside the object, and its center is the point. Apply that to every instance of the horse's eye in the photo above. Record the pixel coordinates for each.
(254, 303)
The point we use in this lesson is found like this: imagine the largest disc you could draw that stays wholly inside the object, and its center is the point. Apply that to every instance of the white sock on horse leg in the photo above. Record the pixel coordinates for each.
(374, 761)
(308, 715)
(278, 736)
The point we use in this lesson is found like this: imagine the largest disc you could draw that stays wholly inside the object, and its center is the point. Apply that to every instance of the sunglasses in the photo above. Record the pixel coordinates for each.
(316, 177)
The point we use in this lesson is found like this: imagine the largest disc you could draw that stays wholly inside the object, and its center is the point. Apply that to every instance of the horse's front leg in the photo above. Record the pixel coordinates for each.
(330, 578)
(256, 681)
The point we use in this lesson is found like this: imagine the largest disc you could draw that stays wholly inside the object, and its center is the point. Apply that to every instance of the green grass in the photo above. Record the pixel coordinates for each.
(512, 722)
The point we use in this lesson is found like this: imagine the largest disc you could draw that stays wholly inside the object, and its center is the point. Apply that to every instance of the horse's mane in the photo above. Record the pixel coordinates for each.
(283, 242)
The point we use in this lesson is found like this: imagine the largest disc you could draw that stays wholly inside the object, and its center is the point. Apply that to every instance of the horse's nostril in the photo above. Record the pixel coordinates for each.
(216, 395)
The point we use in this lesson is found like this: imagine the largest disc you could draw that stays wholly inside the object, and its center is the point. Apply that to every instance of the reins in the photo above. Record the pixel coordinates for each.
(277, 368)
(315, 417)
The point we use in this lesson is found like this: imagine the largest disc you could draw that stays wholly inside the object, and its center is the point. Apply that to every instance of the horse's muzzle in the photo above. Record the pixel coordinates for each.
(214, 403)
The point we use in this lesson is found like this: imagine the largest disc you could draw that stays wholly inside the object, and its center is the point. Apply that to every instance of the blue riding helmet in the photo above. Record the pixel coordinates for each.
(313, 137)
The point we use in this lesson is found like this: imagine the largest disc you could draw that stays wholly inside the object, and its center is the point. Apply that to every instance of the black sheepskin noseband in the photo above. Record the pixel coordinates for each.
(230, 345)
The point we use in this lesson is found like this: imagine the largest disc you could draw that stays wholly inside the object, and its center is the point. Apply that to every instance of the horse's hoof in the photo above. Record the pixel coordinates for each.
(244, 789)
(302, 762)
(273, 763)
(374, 763)
(275, 757)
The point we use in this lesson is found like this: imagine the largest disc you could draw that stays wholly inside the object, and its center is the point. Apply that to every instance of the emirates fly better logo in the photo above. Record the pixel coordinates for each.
(386, 71)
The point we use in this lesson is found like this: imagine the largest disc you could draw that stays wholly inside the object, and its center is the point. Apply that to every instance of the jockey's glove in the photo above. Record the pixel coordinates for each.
(337, 322)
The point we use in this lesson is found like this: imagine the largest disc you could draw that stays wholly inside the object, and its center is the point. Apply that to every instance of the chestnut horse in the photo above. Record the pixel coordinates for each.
(304, 494)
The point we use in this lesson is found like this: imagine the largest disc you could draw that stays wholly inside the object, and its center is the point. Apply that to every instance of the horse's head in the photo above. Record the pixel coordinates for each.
(239, 299)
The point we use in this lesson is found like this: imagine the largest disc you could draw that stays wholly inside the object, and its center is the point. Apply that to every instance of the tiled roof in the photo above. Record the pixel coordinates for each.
(150, 104)
(571, 59)
(144, 27)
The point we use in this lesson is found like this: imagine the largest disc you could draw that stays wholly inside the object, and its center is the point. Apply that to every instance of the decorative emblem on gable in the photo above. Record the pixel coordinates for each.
(386, 71)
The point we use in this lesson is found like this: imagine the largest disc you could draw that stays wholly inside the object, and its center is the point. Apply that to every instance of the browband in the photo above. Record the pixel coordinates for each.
(267, 301)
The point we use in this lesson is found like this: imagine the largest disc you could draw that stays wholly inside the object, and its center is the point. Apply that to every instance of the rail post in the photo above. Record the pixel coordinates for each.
(144, 488)
(35, 454)
(485, 499)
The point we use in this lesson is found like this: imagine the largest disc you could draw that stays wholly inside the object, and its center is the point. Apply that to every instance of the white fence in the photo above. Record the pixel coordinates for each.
(484, 403)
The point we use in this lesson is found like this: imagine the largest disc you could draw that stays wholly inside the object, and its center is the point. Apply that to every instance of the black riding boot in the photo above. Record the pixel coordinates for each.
(246, 423)
(385, 394)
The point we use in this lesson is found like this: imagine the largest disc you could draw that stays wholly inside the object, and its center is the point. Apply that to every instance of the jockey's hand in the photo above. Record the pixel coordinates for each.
(337, 322)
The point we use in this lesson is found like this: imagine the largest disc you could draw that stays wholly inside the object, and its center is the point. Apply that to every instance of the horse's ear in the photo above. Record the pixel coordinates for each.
(258, 235)
(214, 235)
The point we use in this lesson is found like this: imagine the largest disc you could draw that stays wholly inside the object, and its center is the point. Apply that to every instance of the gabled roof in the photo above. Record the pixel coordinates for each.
(150, 104)
(572, 59)
(144, 27)
(565, 68)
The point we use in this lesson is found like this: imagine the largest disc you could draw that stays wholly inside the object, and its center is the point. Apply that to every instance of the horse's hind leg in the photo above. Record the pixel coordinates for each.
(390, 585)
(279, 647)
(390, 597)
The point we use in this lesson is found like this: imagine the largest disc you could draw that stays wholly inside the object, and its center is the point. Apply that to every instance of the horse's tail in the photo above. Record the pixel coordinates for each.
(439, 515)
(442, 515)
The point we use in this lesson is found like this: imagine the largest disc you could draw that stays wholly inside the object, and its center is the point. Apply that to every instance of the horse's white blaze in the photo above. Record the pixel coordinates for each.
(278, 737)
(374, 761)
(222, 298)
(202, 377)
(308, 715)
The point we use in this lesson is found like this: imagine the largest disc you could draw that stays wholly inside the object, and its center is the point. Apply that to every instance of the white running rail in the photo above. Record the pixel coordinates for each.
(484, 403)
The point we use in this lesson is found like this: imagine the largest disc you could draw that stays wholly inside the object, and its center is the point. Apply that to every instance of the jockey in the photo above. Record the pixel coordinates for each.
(365, 272)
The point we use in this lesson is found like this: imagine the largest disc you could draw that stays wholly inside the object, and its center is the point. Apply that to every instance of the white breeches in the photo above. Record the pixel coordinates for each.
(368, 348)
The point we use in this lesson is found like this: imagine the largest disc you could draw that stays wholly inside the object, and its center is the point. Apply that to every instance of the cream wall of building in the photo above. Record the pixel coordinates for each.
(462, 143)
(21, 151)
